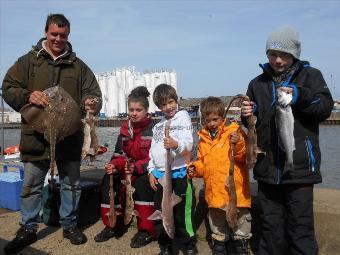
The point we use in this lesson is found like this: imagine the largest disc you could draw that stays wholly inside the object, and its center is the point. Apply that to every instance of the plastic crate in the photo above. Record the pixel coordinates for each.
(10, 195)
(10, 188)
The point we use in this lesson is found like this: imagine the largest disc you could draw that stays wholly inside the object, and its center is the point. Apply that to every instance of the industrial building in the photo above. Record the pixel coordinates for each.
(117, 85)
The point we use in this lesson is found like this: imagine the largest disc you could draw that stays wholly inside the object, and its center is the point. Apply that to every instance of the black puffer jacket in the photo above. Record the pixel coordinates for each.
(38, 71)
(313, 103)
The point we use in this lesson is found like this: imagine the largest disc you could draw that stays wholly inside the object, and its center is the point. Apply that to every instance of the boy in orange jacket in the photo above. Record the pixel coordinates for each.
(213, 164)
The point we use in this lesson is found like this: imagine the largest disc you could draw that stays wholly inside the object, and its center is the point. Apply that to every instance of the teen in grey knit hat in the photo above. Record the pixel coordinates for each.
(285, 39)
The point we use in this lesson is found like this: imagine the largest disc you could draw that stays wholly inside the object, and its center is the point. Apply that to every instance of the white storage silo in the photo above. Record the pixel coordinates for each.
(147, 80)
(158, 79)
(102, 85)
(121, 99)
(112, 96)
(173, 79)
(167, 77)
(130, 84)
(139, 81)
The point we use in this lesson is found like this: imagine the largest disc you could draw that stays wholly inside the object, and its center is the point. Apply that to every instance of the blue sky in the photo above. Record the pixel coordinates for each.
(214, 46)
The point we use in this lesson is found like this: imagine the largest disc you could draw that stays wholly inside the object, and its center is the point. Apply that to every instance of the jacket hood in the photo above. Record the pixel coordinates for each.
(180, 114)
(39, 47)
(267, 70)
(205, 136)
(135, 127)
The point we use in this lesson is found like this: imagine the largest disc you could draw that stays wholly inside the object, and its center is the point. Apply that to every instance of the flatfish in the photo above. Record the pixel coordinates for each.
(61, 118)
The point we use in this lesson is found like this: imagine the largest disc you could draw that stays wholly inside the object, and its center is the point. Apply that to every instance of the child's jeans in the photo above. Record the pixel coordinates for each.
(220, 229)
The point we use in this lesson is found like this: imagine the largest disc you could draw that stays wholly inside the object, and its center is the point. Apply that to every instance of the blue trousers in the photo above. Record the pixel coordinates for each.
(31, 195)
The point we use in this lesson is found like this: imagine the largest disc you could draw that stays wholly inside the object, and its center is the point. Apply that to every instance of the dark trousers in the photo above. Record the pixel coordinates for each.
(287, 219)
(183, 213)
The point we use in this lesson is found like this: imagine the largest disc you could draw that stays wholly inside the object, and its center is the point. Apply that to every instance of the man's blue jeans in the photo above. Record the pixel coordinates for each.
(31, 195)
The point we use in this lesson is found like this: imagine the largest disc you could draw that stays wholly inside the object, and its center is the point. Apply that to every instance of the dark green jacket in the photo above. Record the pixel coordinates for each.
(312, 104)
(37, 70)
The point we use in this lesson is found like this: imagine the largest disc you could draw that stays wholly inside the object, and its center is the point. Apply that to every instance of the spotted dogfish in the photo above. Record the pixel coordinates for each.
(251, 156)
(90, 144)
(112, 215)
(129, 203)
(170, 199)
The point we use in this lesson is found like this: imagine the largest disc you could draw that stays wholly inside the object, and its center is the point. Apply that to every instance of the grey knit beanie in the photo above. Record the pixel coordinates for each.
(285, 39)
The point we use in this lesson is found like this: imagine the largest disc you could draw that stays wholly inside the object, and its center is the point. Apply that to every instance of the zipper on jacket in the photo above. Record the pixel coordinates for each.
(311, 156)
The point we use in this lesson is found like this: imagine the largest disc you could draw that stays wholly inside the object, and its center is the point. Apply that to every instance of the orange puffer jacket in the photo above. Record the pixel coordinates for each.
(213, 165)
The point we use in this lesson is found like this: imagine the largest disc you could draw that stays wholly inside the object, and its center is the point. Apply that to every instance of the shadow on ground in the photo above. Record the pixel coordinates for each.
(27, 251)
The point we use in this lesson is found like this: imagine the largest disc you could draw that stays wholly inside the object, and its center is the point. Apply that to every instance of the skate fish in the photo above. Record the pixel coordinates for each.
(61, 118)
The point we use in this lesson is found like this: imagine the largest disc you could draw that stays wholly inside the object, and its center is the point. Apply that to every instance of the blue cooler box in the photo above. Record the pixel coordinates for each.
(10, 188)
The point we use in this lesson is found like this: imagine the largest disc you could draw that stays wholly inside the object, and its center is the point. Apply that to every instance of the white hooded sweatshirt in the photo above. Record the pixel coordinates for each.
(180, 130)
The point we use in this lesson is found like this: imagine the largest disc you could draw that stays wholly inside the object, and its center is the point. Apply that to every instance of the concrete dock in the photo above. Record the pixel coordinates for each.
(327, 223)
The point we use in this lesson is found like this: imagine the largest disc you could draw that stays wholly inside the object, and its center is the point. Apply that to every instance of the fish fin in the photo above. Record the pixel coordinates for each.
(175, 199)
(157, 215)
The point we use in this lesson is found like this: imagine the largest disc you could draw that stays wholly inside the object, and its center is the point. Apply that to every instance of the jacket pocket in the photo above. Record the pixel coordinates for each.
(311, 154)
(31, 142)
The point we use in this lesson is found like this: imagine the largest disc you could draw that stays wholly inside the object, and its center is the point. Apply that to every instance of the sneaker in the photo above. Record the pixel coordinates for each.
(104, 235)
(238, 247)
(218, 248)
(140, 239)
(75, 236)
(190, 250)
(165, 250)
(23, 238)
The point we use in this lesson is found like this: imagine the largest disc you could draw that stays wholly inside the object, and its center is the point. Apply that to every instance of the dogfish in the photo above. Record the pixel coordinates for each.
(231, 208)
(170, 199)
(129, 203)
(90, 144)
(252, 150)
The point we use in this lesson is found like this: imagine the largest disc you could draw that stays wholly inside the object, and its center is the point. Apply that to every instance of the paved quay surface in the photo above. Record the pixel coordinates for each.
(327, 223)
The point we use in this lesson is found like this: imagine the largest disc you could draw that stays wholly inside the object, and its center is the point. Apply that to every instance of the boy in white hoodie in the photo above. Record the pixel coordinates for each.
(180, 143)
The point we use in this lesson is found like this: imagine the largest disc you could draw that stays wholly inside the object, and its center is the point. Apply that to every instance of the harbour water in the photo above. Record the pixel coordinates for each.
(329, 144)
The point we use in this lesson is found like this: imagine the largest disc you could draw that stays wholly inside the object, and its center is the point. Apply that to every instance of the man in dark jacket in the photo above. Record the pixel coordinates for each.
(51, 62)
(289, 166)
